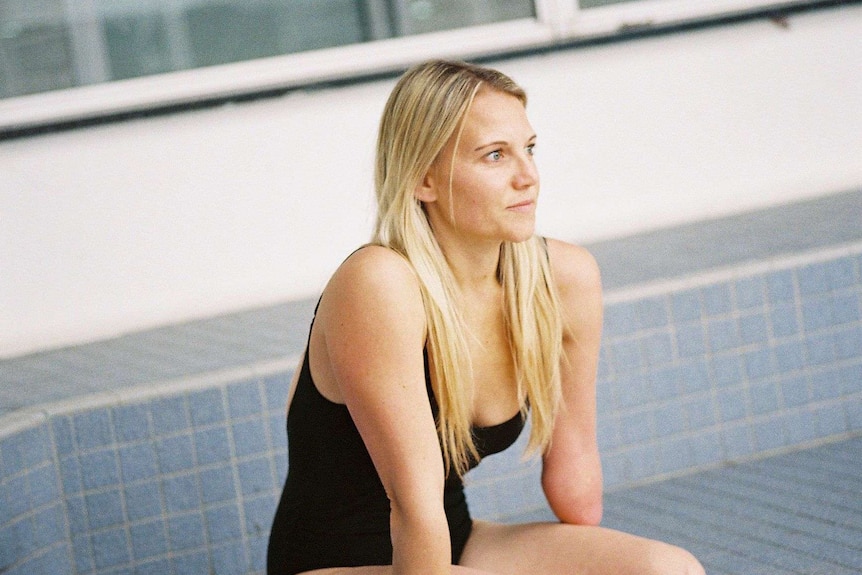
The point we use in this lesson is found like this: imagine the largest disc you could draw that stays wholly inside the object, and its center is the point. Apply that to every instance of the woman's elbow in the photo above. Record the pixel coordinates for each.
(580, 511)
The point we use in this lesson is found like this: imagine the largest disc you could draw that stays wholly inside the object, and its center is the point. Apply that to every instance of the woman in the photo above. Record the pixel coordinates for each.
(430, 346)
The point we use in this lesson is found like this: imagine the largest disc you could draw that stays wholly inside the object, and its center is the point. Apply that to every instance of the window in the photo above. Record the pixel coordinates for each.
(64, 61)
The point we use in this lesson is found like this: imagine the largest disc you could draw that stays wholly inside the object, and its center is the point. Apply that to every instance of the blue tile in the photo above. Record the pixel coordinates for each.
(780, 286)
(132, 422)
(813, 279)
(207, 406)
(750, 292)
(64, 438)
(701, 412)
(195, 562)
(673, 455)
(24, 450)
(753, 329)
(143, 501)
(690, 340)
(223, 523)
(181, 493)
(154, 567)
(229, 559)
(783, 319)
(825, 384)
(694, 376)
(169, 415)
(853, 409)
(244, 399)
(604, 404)
(104, 509)
(217, 484)
(280, 469)
(93, 429)
(716, 299)
(820, 349)
(731, 404)
(83, 553)
(727, 370)
(278, 433)
(848, 343)
(636, 428)
(625, 356)
(138, 462)
(186, 531)
(670, 419)
(802, 426)
(56, 561)
(706, 448)
(110, 548)
(816, 314)
(657, 349)
(99, 469)
(50, 526)
(148, 540)
(249, 437)
(212, 446)
(769, 433)
(845, 309)
(257, 552)
(722, 334)
(620, 319)
(641, 462)
(175, 454)
(831, 420)
(606, 432)
(255, 476)
(851, 378)
(258, 514)
(665, 383)
(70, 475)
(685, 306)
(764, 398)
(652, 313)
(631, 391)
(18, 501)
(76, 514)
(276, 387)
(789, 356)
(43, 486)
(794, 391)
(737, 441)
(759, 364)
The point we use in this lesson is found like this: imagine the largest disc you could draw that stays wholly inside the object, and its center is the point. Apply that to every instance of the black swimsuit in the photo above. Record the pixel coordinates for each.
(334, 511)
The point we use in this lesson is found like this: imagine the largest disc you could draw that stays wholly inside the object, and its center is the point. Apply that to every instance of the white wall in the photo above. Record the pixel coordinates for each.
(137, 224)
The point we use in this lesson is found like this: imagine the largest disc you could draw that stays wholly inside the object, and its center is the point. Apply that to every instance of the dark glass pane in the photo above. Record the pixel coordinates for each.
(137, 46)
(36, 58)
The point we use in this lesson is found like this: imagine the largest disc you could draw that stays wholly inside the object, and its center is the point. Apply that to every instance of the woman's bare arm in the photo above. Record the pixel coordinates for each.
(572, 473)
(373, 323)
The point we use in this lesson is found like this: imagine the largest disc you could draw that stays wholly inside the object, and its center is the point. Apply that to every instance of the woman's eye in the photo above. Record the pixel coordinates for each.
(531, 149)
(495, 155)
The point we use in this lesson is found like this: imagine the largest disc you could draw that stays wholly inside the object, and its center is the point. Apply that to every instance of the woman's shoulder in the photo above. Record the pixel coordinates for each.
(373, 279)
(574, 268)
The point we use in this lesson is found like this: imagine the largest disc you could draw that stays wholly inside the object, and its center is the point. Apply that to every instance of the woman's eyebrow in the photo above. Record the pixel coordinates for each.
(501, 143)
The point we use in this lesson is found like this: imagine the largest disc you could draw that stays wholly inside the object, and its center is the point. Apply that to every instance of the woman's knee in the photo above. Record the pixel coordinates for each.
(666, 559)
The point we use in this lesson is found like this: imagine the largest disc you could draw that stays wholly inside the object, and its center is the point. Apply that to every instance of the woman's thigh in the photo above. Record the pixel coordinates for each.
(560, 549)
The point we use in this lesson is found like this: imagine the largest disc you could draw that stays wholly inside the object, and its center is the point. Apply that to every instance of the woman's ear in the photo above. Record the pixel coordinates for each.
(426, 191)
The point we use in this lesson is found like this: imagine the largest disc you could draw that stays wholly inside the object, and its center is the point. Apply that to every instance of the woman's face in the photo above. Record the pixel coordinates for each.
(494, 181)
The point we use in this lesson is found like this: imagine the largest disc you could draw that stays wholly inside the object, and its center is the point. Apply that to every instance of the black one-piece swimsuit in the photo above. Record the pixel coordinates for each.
(334, 511)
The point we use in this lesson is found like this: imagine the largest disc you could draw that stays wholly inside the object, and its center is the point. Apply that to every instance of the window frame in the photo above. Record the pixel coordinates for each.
(559, 23)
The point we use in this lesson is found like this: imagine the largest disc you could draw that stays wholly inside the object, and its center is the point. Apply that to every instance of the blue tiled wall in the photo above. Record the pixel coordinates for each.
(186, 482)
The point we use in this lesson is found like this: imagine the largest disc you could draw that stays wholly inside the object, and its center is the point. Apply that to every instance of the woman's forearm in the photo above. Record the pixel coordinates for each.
(420, 542)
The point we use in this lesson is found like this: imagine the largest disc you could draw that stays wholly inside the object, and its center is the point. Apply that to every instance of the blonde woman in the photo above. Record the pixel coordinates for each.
(429, 348)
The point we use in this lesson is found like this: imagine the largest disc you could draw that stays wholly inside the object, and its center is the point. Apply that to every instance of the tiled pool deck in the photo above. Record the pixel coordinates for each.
(730, 406)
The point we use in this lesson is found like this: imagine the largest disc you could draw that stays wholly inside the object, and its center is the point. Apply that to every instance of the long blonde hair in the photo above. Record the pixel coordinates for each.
(424, 111)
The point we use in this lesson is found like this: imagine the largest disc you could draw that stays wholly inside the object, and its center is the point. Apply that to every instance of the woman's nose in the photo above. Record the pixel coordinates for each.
(527, 175)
